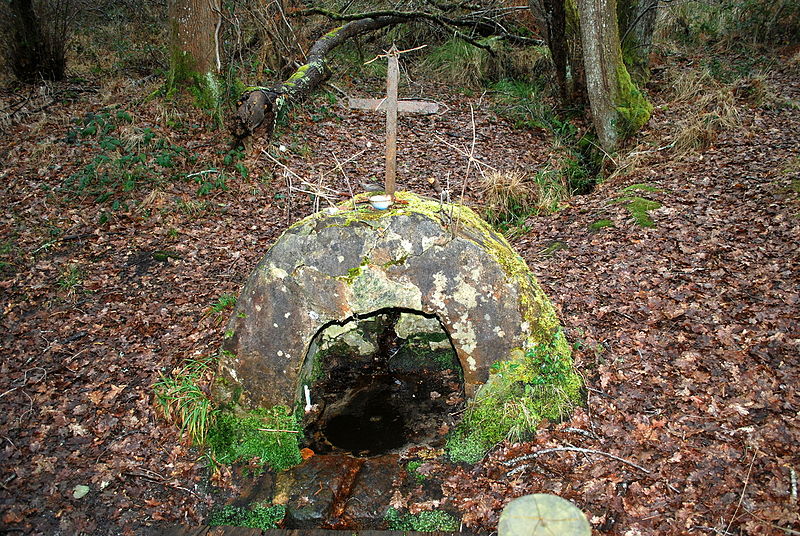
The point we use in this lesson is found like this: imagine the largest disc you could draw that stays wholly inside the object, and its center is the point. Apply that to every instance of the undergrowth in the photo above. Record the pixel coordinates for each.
(129, 158)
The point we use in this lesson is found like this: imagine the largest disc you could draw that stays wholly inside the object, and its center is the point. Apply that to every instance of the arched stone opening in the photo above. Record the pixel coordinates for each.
(379, 382)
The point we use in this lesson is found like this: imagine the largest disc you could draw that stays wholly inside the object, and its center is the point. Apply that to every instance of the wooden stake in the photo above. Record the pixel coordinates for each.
(392, 76)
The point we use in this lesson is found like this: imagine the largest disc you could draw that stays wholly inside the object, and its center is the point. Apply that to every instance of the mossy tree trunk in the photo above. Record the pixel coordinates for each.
(618, 107)
(193, 42)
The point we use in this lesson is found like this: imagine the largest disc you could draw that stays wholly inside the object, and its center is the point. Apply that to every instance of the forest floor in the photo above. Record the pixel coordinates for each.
(686, 332)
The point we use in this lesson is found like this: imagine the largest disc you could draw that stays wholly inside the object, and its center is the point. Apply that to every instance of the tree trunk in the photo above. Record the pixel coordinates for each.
(33, 55)
(558, 22)
(618, 107)
(637, 21)
(260, 106)
(194, 34)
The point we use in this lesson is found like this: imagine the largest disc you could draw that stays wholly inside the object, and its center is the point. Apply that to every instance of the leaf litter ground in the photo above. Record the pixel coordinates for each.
(686, 333)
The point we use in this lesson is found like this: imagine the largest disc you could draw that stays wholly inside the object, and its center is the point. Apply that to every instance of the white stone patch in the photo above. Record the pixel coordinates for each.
(466, 295)
(407, 245)
(499, 331)
(258, 308)
(278, 273)
(287, 315)
(340, 258)
(464, 334)
(313, 315)
(439, 286)
(274, 324)
(526, 327)
(280, 353)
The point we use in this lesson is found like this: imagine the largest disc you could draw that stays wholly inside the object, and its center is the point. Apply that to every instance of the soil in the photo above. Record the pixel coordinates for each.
(686, 332)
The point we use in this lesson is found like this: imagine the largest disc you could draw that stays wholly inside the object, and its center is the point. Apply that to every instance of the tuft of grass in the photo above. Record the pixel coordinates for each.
(639, 208)
(257, 517)
(714, 110)
(70, 279)
(519, 394)
(268, 437)
(459, 63)
(512, 197)
(428, 521)
(183, 402)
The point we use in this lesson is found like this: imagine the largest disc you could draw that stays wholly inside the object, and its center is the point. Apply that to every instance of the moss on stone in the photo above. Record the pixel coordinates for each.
(641, 187)
(242, 438)
(519, 394)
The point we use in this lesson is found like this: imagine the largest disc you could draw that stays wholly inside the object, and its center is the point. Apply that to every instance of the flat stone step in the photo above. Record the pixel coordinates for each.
(242, 531)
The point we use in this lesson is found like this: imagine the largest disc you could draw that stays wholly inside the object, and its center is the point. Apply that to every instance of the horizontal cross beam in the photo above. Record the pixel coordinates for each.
(403, 106)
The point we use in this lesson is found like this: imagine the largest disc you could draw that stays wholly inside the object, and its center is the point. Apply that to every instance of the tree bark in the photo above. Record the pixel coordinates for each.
(558, 22)
(637, 21)
(194, 47)
(35, 55)
(260, 106)
(618, 108)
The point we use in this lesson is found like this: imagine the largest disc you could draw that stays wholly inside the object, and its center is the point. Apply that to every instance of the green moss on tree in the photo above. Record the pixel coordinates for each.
(631, 105)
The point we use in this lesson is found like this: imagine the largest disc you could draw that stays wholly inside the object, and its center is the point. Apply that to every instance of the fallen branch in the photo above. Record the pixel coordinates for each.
(261, 106)
(567, 449)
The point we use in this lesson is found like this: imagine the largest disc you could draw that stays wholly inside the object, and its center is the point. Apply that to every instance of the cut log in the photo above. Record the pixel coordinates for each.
(259, 107)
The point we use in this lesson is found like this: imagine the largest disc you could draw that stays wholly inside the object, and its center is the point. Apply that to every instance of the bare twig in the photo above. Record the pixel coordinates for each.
(744, 488)
(568, 449)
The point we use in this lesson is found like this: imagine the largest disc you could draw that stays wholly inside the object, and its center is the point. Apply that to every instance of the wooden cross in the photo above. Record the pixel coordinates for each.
(392, 106)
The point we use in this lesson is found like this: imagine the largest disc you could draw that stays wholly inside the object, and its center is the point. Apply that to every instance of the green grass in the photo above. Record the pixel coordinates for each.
(71, 278)
(183, 402)
(461, 64)
(429, 521)
(256, 517)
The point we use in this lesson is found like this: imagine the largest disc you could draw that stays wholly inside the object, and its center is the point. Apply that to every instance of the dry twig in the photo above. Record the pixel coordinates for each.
(567, 449)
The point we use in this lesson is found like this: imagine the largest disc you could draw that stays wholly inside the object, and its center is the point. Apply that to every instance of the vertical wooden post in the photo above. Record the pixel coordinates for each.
(392, 76)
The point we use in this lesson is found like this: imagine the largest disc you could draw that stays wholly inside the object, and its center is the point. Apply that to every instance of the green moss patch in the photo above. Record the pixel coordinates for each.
(430, 521)
(600, 224)
(263, 435)
(639, 208)
(641, 187)
(519, 394)
(256, 517)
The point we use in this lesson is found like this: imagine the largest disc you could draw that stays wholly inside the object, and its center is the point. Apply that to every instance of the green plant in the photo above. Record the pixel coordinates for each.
(519, 394)
(256, 517)
(182, 400)
(428, 521)
(460, 63)
(267, 436)
(643, 187)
